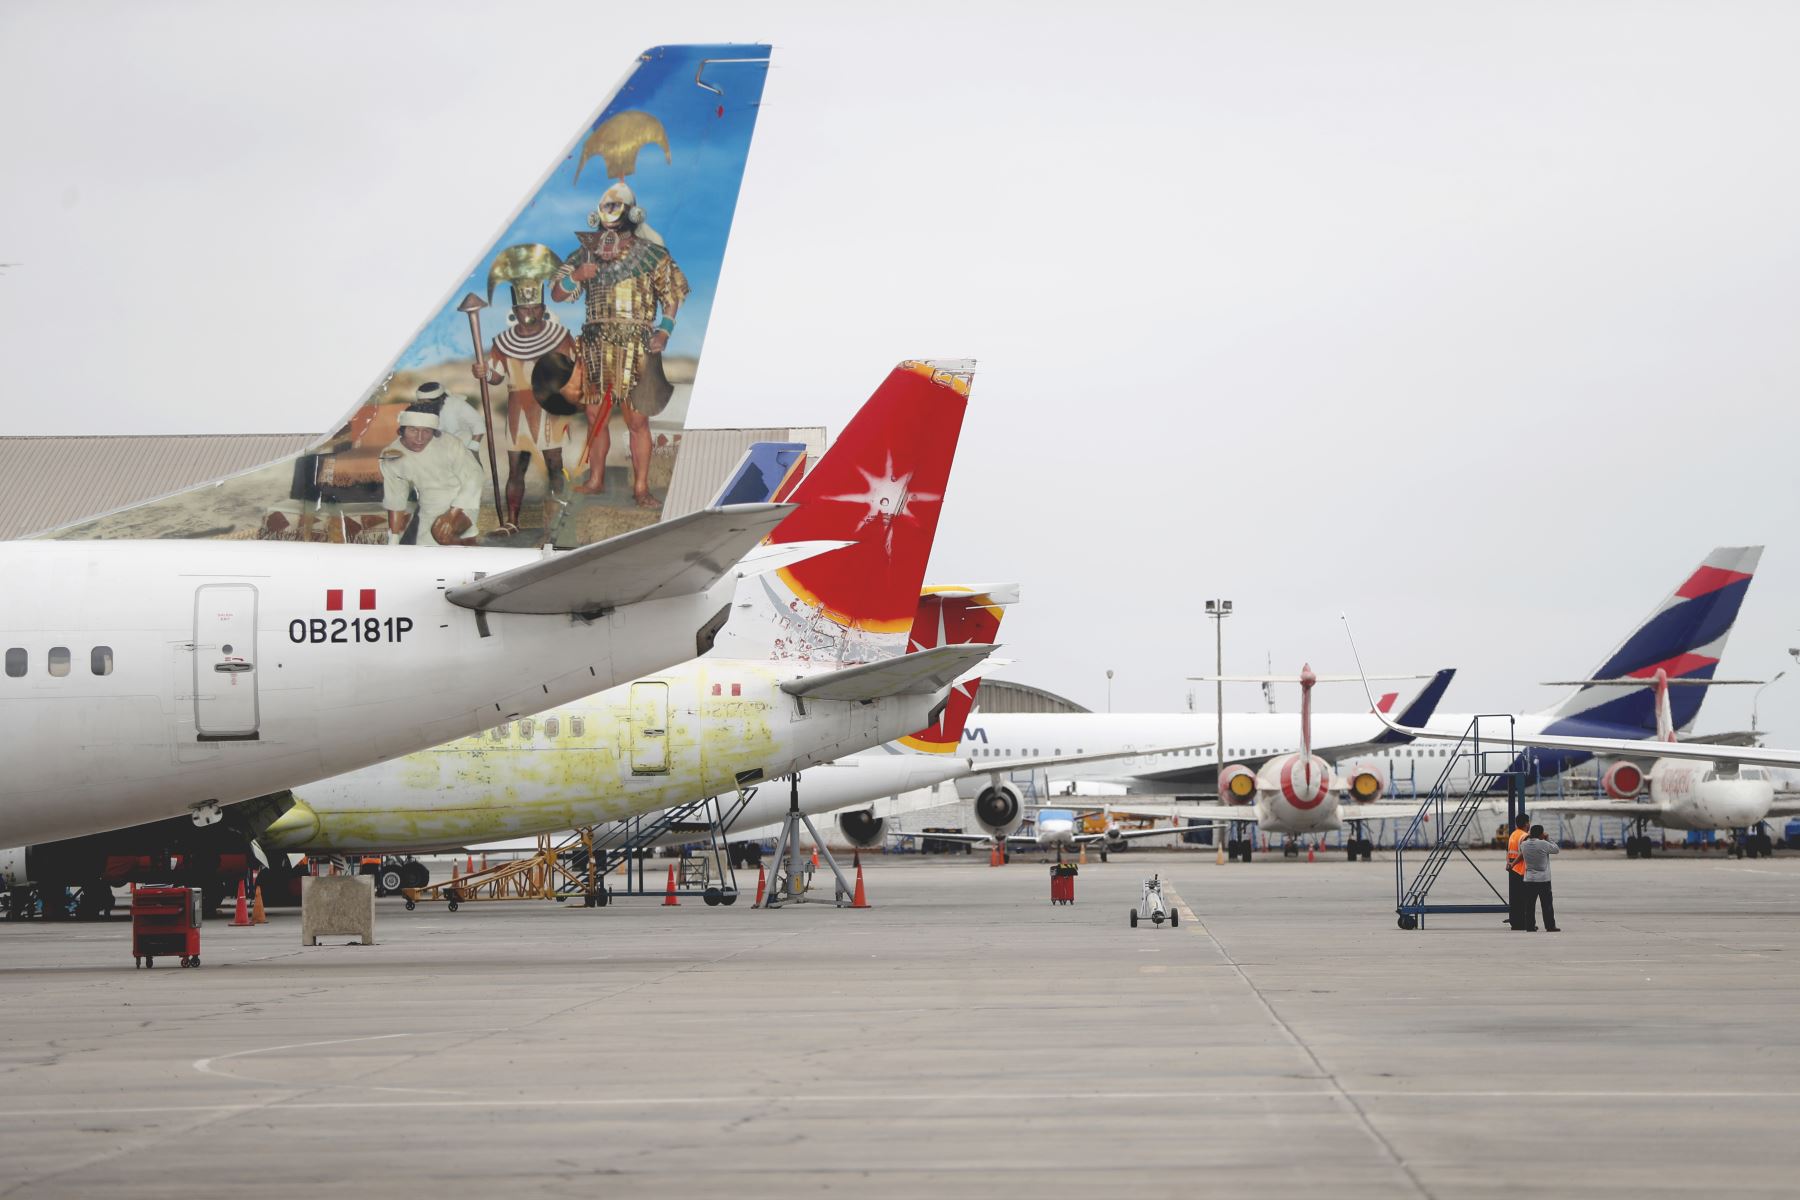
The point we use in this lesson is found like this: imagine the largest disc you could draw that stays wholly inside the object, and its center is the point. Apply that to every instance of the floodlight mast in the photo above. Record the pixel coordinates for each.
(1218, 610)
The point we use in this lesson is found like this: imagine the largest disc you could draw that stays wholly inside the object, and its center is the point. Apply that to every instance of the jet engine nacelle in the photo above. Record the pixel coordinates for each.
(999, 809)
(1365, 782)
(1237, 784)
(862, 828)
(1622, 780)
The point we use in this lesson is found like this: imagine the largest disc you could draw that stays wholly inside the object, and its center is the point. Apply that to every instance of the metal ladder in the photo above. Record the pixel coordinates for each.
(1481, 751)
(627, 840)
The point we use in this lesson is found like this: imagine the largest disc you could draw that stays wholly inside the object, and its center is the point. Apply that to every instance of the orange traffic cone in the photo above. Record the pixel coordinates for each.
(471, 867)
(1084, 854)
(1309, 852)
(762, 879)
(815, 858)
(669, 894)
(861, 899)
(257, 915)
(994, 859)
(243, 912)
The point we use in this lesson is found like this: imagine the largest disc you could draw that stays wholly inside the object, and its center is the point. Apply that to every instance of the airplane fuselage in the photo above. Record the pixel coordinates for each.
(707, 728)
(143, 679)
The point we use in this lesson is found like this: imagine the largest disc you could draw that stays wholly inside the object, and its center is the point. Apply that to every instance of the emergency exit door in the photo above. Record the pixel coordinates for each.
(649, 729)
(225, 703)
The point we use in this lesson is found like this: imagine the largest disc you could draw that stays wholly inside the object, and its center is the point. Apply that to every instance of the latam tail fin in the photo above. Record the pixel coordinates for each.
(880, 488)
(1683, 637)
(952, 616)
(527, 365)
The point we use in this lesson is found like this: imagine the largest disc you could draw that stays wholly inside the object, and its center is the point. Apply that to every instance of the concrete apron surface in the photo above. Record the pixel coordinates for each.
(962, 1036)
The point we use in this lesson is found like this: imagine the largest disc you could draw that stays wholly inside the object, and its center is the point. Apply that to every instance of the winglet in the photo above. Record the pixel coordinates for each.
(1422, 707)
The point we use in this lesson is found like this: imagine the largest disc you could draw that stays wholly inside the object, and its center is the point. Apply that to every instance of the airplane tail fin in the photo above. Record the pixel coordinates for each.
(526, 355)
(1684, 637)
(954, 616)
(879, 488)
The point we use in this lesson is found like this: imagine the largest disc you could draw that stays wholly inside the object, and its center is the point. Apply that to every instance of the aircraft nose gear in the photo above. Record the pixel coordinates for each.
(1152, 907)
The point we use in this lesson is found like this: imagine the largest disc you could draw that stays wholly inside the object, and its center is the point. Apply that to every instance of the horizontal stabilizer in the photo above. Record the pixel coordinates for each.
(1634, 681)
(1294, 678)
(917, 674)
(679, 557)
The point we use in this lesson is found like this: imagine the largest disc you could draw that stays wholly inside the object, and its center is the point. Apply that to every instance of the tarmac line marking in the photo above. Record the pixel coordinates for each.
(888, 1098)
(205, 1065)
(1343, 1096)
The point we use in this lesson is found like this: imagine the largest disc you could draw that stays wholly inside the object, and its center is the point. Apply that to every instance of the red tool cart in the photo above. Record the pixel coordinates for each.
(165, 921)
(1062, 883)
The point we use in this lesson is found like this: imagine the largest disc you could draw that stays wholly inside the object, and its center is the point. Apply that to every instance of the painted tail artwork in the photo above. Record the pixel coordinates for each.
(956, 616)
(544, 400)
(880, 488)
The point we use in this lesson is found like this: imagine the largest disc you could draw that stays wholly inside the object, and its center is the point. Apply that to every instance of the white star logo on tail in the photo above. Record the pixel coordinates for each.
(889, 497)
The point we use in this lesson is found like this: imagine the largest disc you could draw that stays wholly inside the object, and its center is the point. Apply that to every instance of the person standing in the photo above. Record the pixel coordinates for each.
(1518, 916)
(1536, 851)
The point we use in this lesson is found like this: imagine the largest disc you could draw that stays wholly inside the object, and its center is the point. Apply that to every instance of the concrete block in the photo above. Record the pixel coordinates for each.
(336, 905)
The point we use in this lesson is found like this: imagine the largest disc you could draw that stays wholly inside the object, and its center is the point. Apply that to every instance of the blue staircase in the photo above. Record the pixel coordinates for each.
(1489, 757)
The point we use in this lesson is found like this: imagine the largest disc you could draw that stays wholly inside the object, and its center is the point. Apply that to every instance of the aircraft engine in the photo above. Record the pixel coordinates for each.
(1365, 784)
(862, 828)
(999, 808)
(1622, 780)
(1237, 785)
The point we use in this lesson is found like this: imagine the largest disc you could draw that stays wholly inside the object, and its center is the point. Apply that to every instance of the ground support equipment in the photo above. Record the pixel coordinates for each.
(1492, 757)
(1062, 882)
(1152, 907)
(793, 876)
(165, 923)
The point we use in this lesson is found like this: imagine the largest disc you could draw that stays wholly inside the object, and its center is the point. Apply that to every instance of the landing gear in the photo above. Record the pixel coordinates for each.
(1638, 845)
(1290, 847)
(1753, 842)
(1357, 846)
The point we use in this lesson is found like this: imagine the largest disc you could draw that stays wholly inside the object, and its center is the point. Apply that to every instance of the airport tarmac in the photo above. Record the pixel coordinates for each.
(960, 1037)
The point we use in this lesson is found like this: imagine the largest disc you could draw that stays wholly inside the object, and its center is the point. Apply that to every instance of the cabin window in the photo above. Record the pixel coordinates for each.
(577, 726)
(100, 660)
(551, 726)
(16, 661)
(59, 661)
(525, 727)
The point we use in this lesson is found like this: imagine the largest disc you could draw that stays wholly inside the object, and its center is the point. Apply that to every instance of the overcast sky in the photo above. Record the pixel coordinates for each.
(1475, 321)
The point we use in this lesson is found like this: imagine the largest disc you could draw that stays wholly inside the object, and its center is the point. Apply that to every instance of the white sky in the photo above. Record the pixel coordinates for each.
(1476, 321)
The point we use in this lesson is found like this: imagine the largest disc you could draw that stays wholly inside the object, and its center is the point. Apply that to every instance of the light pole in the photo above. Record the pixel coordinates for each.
(1757, 699)
(1109, 689)
(1218, 610)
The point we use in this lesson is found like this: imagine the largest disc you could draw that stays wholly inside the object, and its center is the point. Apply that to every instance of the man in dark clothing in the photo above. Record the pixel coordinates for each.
(1536, 851)
(1518, 915)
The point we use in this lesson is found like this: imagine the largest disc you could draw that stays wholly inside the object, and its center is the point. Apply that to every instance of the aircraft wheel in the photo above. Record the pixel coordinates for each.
(414, 874)
(1174, 918)
(1134, 918)
(389, 880)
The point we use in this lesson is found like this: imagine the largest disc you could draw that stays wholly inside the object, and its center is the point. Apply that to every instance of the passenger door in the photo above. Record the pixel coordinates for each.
(649, 729)
(225, 690)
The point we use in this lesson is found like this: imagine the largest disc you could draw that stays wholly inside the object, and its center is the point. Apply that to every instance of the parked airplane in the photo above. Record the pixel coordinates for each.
(144, 679)
(1685, 634)
(828, 680)
(1684, 787)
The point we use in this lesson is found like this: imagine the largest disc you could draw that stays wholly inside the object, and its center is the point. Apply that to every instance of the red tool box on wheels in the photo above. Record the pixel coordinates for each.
(165, 923)
(1062, 883)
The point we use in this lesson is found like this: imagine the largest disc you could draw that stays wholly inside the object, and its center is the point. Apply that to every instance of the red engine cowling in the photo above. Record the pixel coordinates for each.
(1237, 785)
(1622, 781)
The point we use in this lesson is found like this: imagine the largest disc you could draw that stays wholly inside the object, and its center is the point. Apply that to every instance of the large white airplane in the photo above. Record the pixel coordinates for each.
(808, 665)
(1684, 787)
(1684, 634)
(146, 679)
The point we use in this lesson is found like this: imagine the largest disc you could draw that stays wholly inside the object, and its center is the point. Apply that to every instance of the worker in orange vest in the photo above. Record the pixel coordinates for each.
(1515, 876)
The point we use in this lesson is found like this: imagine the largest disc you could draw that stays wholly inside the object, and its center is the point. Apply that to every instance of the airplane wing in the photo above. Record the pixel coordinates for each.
(1245, 812)
(678, 557)
(917, 674)
(1628, 810)
(1751, 756)
(1119, 835)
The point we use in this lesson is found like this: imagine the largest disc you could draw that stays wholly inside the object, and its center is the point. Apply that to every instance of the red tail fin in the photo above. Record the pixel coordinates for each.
(953, 617)
(881, 485)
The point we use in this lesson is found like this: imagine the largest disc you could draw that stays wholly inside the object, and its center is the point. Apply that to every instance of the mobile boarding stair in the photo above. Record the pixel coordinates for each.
(1490, 756)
